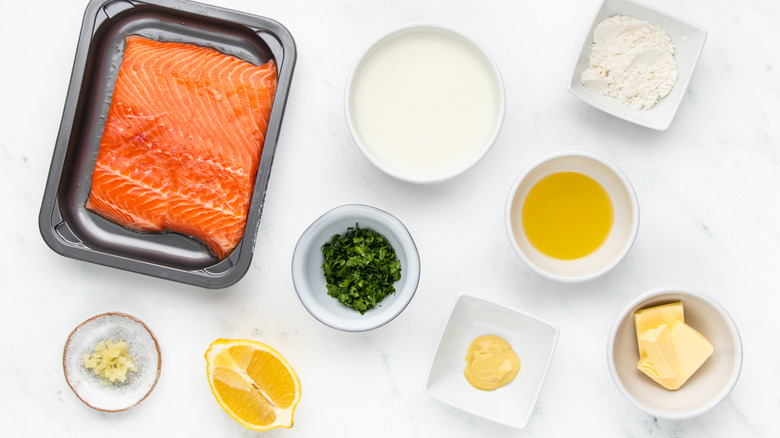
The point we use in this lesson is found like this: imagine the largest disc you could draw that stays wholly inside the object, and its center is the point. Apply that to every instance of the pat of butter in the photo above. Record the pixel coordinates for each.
(653, 317)
(660, 352)
(691, 350)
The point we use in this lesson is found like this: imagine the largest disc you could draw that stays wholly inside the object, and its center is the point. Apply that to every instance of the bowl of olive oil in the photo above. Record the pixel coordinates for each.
(572, 216)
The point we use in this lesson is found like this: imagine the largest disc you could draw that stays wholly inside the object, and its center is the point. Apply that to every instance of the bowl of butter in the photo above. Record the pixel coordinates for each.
(674, 353)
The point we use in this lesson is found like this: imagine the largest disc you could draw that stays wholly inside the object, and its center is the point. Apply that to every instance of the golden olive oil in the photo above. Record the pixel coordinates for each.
(567, 215)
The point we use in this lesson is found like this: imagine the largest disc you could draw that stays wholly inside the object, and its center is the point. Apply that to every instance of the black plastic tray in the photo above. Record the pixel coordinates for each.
(73, 231)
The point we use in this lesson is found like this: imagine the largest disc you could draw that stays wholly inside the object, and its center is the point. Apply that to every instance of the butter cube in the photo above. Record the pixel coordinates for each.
(648, 368)
(692, 350)
(652, 317)
(660, 352)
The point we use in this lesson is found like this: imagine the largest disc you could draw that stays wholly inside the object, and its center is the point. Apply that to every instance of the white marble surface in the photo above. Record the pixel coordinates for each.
(708, 187)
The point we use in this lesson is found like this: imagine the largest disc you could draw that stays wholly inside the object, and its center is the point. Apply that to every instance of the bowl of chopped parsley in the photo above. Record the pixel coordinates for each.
(355, 268)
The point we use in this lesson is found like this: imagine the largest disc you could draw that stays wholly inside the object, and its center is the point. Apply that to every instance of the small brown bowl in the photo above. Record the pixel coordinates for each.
(142, 347)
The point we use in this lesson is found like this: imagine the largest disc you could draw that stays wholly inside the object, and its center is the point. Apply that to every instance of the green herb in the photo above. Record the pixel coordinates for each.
(360, 268)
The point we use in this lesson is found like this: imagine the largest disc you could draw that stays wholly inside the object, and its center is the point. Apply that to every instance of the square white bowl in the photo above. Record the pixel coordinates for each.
(533, 340)
(688, 42)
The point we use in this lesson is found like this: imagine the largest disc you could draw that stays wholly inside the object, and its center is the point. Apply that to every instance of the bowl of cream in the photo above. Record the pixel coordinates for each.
(425, 103)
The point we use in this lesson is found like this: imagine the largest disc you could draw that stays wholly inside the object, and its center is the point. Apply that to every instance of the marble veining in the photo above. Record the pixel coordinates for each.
(708, 189)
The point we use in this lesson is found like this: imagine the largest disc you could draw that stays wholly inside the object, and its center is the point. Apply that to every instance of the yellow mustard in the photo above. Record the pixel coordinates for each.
(490, 363)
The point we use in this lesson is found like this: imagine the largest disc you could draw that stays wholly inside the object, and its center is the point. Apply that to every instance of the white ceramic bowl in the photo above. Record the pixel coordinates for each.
(309, 279)
(533, 340)
(424, 103)
(707, 387)
(688, 42)
(142, 347)
(620, 239)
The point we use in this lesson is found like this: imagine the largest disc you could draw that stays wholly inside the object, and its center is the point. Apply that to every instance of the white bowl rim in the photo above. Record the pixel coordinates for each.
(634, 210)
(413, 260)
(490, 62)
(732, 326)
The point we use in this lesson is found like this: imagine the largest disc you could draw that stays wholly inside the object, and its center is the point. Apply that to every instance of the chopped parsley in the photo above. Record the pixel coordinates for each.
(360, 268)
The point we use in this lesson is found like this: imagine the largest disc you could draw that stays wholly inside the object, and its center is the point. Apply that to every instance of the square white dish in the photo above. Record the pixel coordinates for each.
(533, 340)
(688, 42)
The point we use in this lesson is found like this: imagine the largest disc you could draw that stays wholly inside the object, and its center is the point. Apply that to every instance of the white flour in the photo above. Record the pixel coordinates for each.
(631, 60)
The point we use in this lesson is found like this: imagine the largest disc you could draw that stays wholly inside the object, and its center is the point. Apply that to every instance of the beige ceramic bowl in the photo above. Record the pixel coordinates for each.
(620, 239)
(707, 387)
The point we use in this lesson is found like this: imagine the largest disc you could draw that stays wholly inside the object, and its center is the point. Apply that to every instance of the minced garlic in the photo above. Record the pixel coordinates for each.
(110, 361)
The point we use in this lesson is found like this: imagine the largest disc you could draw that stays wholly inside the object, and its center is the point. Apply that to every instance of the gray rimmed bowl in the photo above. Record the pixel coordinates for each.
(309, 278)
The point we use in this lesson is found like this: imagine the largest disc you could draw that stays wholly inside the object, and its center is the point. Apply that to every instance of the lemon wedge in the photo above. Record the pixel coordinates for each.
(253, 383)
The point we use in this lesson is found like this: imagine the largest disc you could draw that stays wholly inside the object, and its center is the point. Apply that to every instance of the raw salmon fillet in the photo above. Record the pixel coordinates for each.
(182, 142)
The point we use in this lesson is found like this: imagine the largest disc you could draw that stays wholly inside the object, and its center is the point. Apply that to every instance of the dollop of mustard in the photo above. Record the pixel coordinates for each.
(490, 363)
